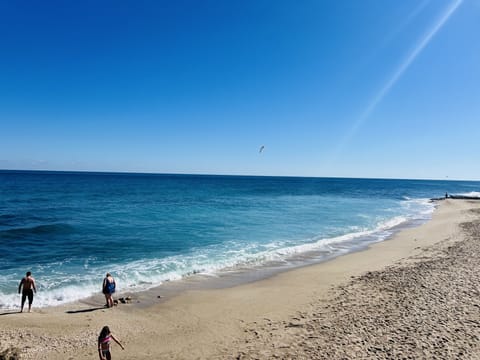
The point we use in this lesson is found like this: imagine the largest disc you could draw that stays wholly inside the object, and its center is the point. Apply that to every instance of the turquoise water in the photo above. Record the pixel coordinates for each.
(69, 229)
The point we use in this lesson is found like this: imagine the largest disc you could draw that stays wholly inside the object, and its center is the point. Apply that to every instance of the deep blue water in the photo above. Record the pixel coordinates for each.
(69, 229)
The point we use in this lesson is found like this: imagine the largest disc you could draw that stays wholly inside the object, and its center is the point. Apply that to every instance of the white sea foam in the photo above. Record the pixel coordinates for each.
(418, 208)
(471, 194)
(52, 297)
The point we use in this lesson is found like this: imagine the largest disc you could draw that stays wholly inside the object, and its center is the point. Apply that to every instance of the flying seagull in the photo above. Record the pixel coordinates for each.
(261, 149)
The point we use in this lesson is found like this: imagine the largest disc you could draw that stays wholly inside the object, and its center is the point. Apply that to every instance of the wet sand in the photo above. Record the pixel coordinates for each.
(413, 296)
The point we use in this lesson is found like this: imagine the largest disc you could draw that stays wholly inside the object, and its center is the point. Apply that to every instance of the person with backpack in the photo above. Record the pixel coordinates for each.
(108, 289)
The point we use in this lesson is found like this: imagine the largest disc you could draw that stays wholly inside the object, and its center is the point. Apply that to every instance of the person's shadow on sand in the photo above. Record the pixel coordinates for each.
(11, 313)
(85, 310)
(68, 312)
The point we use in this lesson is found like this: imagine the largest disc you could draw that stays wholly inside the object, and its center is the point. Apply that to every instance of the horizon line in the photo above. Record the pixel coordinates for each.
(126, 172)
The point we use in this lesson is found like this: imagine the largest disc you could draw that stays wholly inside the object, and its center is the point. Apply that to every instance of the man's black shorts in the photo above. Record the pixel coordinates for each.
(27, 293)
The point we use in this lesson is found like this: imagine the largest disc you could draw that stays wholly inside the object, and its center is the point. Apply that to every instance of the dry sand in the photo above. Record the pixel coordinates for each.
(413, 296)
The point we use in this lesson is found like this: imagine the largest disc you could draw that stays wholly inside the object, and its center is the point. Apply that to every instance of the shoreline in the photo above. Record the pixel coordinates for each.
(228, 278)
(244, 274)
(217, 323)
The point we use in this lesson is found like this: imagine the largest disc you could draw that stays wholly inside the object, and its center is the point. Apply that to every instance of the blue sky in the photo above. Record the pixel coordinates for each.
(367, 88)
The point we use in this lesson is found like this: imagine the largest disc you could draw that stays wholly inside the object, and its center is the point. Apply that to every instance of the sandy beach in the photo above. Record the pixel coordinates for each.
(413, 296)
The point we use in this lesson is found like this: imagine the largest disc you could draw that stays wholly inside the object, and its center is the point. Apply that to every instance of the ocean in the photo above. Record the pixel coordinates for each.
(70, 228)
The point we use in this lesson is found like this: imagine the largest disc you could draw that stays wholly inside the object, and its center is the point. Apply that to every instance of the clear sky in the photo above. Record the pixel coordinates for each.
(356, 88)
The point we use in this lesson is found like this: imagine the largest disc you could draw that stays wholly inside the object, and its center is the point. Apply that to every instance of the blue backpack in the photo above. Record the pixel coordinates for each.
(110, 287)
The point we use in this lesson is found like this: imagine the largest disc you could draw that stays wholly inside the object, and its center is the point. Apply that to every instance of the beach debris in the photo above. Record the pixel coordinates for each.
(125, 300)
(291, 324)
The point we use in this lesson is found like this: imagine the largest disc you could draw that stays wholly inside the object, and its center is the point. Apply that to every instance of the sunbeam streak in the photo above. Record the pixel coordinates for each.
(397, 74)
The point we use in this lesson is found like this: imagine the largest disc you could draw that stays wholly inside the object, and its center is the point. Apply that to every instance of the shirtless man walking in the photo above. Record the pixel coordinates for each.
(28, 283)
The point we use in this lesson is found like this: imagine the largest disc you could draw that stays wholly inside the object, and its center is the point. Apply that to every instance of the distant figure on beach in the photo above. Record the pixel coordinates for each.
(446, 195)
(28, 284)
(104, 340)
(108, 289)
